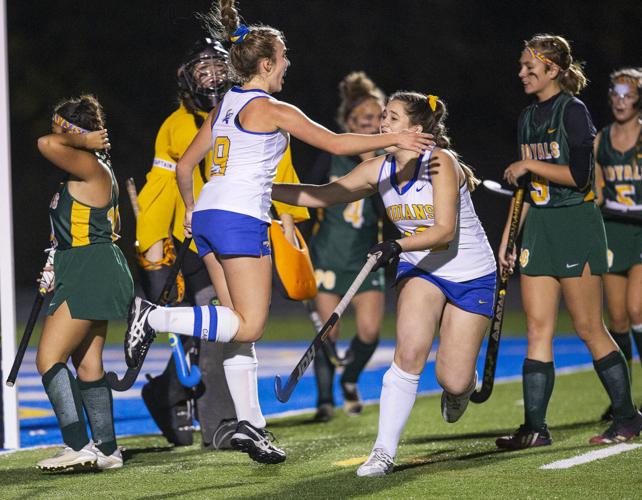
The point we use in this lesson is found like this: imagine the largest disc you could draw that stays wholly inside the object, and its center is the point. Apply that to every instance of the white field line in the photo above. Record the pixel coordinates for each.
(591, 456)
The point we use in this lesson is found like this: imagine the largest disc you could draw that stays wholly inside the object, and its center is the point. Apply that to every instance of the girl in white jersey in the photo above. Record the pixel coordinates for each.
(248, 132)
(446, 273)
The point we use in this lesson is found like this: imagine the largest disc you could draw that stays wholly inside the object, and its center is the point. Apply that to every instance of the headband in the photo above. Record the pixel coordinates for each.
(239, 35)
(432, 101)
(67, 125)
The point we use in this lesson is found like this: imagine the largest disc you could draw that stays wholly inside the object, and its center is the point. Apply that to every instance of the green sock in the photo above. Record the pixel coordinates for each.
(324, 374)
(623, 341)
(538, 379)
(614, 375)
(362, 353)
(99, 405)
(64, 395)
(636, 331)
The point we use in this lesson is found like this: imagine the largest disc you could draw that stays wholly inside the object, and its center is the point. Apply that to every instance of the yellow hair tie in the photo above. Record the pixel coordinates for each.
(432, 101)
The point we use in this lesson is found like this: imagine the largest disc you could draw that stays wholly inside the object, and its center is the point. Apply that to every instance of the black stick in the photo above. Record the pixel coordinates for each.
(43, 287)
(492, 351)
(131, 375)
(328, 345)
(283, 393)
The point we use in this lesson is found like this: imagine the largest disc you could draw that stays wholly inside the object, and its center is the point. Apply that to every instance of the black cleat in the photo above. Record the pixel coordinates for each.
(257, 443)
(524, 438)
(324, 413)
(620, 431)
(607, 416)
(352, 403)
(139, 335)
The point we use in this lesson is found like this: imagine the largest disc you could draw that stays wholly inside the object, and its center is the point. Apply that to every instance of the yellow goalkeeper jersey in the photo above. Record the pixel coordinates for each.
(161, 207)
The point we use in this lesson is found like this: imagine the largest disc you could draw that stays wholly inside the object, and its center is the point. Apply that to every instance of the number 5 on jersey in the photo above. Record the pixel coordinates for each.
(221, 152)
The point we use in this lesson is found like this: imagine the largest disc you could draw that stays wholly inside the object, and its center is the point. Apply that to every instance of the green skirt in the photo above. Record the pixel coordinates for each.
(95, 282)
(625, 246)
(560, 241)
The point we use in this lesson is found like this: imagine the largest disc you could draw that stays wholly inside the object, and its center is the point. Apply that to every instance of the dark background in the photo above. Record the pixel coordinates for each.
(127, 54)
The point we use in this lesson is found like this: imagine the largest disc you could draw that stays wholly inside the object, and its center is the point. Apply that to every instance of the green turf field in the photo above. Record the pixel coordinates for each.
(298, 327)
(435, 460)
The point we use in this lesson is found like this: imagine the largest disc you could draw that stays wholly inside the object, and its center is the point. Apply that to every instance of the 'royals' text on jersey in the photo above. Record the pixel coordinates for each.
(243, 162)
(411, 208)
(622, 174)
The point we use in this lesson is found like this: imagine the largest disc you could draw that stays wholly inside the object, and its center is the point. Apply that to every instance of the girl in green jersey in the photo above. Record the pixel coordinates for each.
(563, 249)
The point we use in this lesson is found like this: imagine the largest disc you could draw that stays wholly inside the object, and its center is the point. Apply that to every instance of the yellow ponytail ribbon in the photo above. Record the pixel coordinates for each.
(432, 101)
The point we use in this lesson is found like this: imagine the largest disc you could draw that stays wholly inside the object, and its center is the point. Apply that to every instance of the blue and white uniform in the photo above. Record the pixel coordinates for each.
(232, 213)
(464, 269)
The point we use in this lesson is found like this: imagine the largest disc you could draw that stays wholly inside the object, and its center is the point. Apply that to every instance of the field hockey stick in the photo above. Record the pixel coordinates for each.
(131, 375)
(328, 345)
(283, 393)
(43, 287)
(492, 351)
(186, 377)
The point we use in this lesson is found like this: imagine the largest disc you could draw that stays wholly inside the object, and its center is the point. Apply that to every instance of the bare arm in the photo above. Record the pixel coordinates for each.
(293, 120)
(192, 156)
(559, 174)
(72, 152)
(445, 181)
(356, 185)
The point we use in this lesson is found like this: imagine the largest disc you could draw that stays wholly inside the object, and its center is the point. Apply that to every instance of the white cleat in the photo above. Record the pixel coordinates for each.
(454, 406)
(379, 463)
(69, 459)
(105, 462)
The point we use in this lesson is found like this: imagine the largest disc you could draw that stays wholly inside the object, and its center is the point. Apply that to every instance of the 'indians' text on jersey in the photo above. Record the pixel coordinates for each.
(411, 208)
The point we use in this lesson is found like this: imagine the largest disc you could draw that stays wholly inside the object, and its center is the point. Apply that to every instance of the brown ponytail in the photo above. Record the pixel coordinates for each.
(419, 111)
(556, 50)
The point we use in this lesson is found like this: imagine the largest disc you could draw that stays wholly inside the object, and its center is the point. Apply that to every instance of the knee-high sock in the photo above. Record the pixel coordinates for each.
(362, 353)
(62, 389)
(636, 331)
(397, 399)
(324, 375)
(614, 375)
(623, 341)
(240, 365)
(210, 323)
(99, 405)
(538, 379)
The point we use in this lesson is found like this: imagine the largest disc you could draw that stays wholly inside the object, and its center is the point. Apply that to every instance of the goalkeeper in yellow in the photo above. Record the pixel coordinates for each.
(202, 80)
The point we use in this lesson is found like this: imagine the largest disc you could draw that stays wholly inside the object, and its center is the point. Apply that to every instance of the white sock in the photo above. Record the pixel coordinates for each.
(240, 365)
(397, 399)
(636, 328)
(210, 323)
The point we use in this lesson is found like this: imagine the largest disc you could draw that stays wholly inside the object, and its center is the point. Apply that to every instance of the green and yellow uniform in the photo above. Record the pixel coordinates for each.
(344, 234)
(563, 229)
(161, 207)
(622, 190)
(91, 273)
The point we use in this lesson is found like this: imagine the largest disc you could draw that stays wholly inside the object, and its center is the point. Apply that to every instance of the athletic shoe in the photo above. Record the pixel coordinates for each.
(140, 334)
(607, 416)
(69, 459)
(620, 431)
(351, 399)
(105, 462)
(524, 438)
(379, 463)
(453, 406)
(324, 413)
(257, 443)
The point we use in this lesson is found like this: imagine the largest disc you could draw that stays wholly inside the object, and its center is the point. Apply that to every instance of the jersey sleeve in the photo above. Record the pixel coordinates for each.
(157, 198)
(285, 173)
